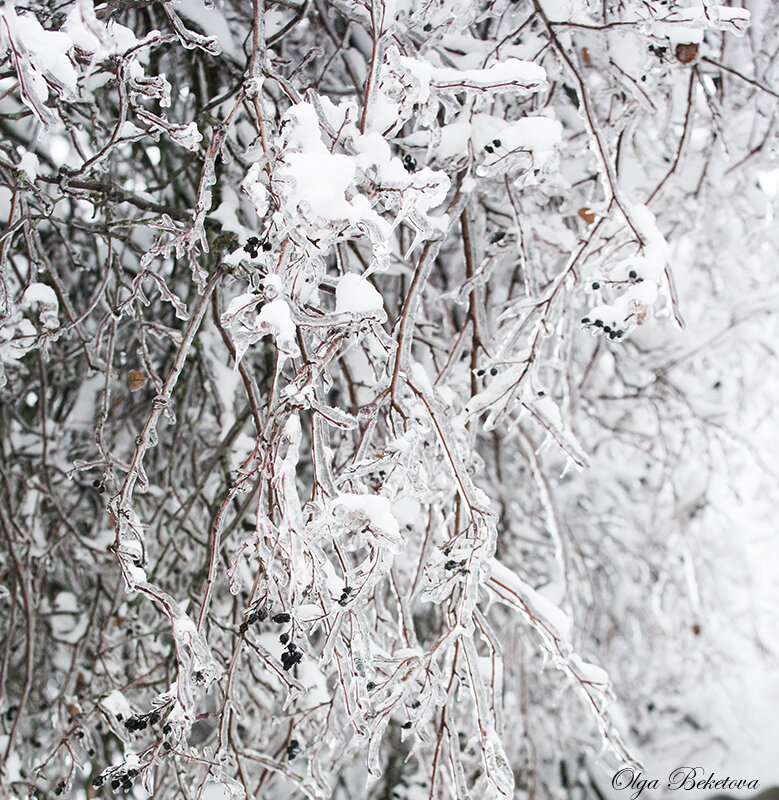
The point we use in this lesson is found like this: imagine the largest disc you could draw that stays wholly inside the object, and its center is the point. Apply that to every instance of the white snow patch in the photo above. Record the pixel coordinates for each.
(29, 165)
(39, 293)
(356, 294)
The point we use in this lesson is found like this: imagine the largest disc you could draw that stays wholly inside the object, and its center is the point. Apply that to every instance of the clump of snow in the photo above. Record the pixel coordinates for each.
(115, 705)
(639, 286)
(355, 293)
(254, 188)
(678, 33)
(710, 15)
(275, 318)
(497, 142)
(45, 298)
(317, 187)
(531, 133)
(41, 59)
(372, 148)
(39, 293)
(511, 75)
(91, 35)
(355, 511)
(315, 178)
(29, 165)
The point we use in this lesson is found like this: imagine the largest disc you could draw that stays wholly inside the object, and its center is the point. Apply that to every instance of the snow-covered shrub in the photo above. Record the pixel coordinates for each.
(354, 442)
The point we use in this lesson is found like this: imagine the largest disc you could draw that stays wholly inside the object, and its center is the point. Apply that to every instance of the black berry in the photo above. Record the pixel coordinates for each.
(291, 660)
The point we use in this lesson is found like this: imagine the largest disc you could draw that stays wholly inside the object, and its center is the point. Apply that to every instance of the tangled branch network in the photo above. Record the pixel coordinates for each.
(377, 379)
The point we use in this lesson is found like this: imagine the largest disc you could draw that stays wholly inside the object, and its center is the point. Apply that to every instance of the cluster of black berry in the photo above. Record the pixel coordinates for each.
(166, 731)
(142, 721)
(253, 245)
(613, 333)
(120, 779)
(258, 615)
(291, 656)
(409, 162)
(99, 485)
(659, 52)
(293, 748)
(345, 595)
(60, 787)
(490, 148)
(451, 564)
